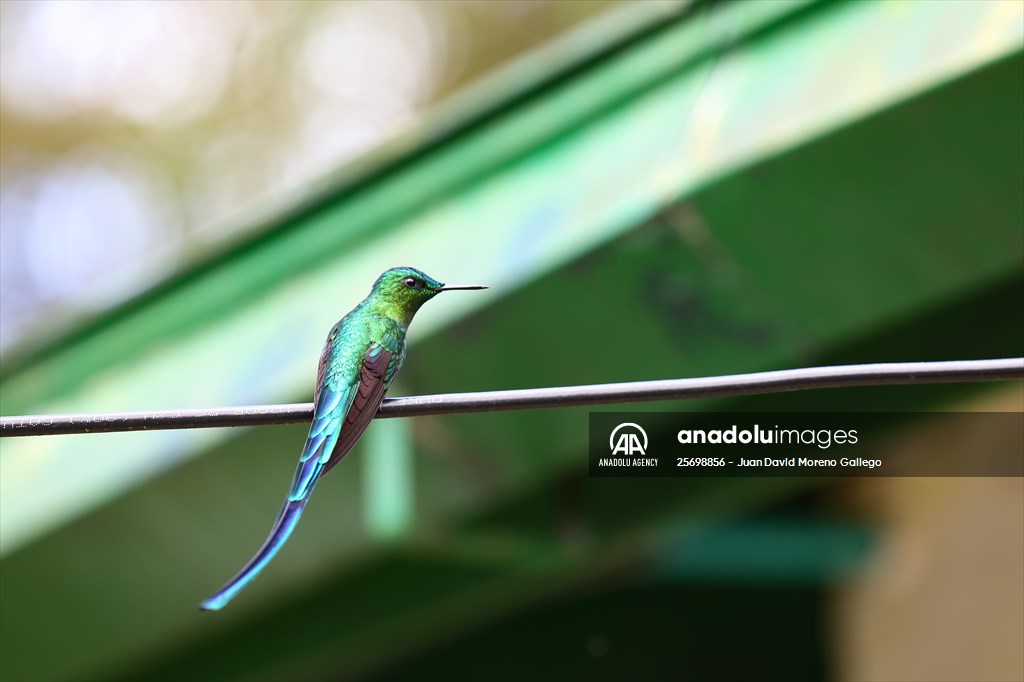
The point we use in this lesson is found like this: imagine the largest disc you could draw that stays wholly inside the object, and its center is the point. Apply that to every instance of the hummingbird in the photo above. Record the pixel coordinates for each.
(360, 359)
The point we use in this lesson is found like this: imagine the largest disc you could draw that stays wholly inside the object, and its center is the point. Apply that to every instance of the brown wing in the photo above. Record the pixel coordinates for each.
(325, 358)
(373, 383)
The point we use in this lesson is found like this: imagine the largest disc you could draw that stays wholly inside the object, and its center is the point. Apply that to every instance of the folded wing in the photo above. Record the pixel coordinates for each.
(341, 412)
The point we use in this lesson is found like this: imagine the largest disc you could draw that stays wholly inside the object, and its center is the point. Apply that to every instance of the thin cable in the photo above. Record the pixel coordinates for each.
(534, 398)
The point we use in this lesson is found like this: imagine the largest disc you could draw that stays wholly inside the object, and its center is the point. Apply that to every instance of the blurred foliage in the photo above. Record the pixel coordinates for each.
(132, 133)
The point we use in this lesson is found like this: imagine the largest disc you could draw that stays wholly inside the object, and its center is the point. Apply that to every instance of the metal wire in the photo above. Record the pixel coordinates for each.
(533, 398)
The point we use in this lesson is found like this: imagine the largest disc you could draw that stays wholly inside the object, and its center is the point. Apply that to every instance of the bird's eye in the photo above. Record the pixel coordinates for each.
(412, 283)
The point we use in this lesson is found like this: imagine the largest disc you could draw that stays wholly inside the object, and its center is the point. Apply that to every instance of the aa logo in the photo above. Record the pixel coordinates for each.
(628, 439)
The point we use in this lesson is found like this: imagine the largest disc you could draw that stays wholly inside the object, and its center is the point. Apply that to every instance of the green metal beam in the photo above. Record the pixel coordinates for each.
(388, 480)
(776, 551)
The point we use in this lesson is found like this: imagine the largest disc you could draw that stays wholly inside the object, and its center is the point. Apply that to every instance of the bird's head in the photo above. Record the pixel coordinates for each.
(403, 290)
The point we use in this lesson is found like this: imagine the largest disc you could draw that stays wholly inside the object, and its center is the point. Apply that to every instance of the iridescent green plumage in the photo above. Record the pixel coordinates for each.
(363, 353)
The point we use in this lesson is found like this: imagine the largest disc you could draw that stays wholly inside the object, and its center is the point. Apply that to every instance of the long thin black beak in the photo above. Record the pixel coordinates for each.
(452, 287)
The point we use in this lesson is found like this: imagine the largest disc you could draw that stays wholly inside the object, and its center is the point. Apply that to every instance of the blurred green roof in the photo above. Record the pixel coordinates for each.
(715, 189)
